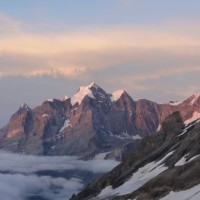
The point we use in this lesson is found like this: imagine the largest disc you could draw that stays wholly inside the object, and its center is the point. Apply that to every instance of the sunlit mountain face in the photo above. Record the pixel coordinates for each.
(90, 123)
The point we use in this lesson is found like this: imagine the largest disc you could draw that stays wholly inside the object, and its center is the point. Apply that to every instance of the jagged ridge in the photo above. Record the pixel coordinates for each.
(90, 122)
(158, 164)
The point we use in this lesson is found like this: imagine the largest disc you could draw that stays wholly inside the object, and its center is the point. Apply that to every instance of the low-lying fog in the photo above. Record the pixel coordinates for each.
(27, 177)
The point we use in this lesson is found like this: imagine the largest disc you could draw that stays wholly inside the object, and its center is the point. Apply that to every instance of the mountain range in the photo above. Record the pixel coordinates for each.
(157, 144)
(90, 123)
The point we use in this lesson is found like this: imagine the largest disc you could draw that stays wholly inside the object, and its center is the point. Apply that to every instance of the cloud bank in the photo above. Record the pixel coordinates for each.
(76, 54)
(159, 61)
(21, 187)
(19, 179)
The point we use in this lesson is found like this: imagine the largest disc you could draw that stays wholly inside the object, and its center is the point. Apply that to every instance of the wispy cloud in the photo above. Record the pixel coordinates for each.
(74, 54)
(158, 73)
(15, 163)
(135, 58)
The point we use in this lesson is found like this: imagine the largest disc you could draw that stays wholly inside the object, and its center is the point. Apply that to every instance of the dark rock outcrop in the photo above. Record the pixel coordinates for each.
(175, 148)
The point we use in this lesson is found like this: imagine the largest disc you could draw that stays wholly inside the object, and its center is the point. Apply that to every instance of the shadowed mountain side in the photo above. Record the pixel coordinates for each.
(160, 163)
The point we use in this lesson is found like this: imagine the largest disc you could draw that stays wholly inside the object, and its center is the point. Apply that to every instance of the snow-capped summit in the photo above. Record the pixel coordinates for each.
(92, 90)
(50, 100)
(117, 94)
(81, 93)
(93, 84)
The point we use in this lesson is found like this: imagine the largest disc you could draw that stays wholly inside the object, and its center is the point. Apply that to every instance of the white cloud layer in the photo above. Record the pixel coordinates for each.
(21, 187)
(18, 179)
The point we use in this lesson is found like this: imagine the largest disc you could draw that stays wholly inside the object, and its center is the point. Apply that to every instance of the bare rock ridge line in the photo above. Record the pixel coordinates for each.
(90, 122)
(162, 166)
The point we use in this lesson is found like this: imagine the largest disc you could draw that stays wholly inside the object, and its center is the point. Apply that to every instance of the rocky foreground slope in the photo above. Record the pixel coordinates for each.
(161, 166)
(89, 123)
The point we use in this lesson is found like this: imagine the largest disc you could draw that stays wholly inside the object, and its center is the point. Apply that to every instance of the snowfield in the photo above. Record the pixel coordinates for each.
(138, 179)
(190, 194)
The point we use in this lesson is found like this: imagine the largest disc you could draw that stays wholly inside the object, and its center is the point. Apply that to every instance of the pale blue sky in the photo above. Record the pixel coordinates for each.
(48, 48)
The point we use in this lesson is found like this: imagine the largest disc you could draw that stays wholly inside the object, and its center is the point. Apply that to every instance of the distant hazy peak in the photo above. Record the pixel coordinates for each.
(24, 106)
(50, 100)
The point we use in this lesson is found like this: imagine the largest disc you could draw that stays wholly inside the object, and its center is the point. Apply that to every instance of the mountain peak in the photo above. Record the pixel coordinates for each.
(81, 93)
(93, 84)
(117, 94)
(24, 106)
(65, 97)
(51, 100)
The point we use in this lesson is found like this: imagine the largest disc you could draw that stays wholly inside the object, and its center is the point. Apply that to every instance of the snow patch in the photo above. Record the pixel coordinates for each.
(50, 100)
(24, 106)
(138, 179)
(65, 97)
(45, 115)
(82, 92)
(107, 190)
(190, 194)
(102, 96)
(185, 130)
(66, 124)
(101, 156)
(189, 124)
(159, 127)
(183, 160)
(116, 95)
(195, 116)
(125, 135)
(195, 98)
(136, 137)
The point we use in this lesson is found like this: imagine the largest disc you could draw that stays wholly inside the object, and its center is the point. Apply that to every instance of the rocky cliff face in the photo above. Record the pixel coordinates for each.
(158, 164)
(90, 122)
